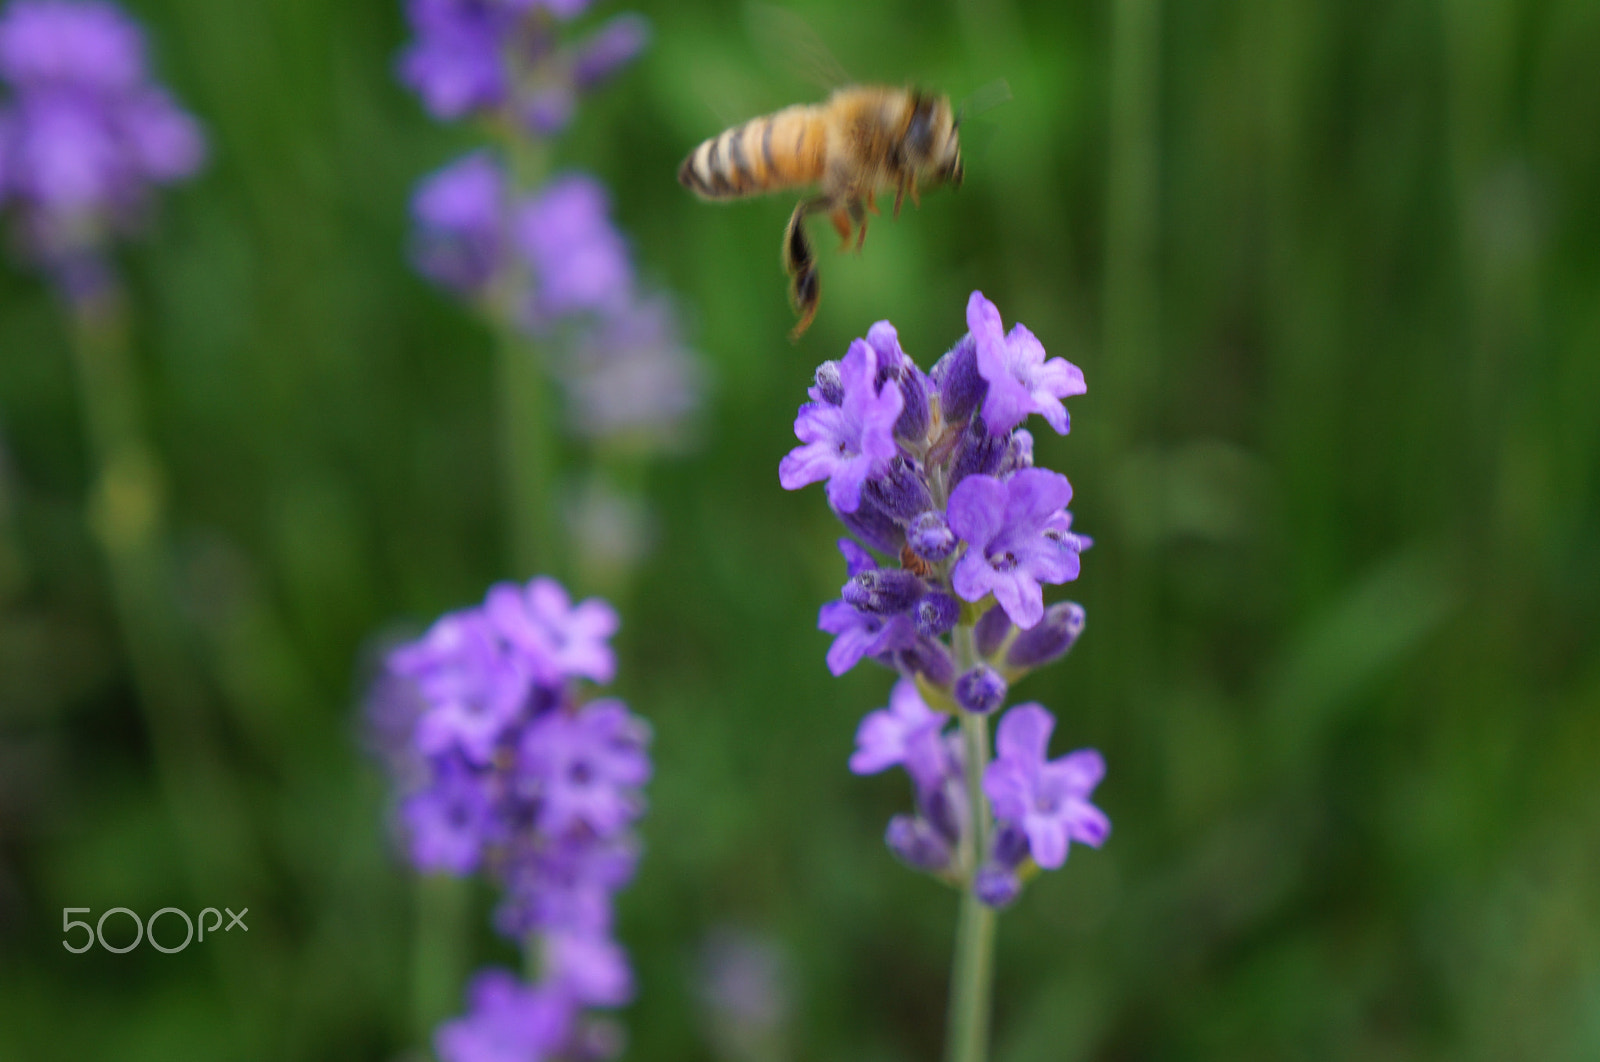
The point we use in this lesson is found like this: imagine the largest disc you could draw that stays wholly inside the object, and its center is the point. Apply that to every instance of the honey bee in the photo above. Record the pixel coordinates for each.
(863, 139)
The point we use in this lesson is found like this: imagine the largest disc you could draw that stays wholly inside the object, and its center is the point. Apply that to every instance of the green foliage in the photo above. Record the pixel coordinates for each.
(1331, 271)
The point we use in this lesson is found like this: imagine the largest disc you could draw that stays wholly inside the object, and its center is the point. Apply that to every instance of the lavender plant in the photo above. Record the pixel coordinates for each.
(508, 764)
(935, 471)
(538, 256)
(85, 137)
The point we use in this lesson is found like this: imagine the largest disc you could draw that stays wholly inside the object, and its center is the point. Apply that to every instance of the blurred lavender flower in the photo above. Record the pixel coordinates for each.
(460, 213)
(510, 768)
(501, 58)
(936, 470)
(578, 260)
(84, 133)
(743, 982)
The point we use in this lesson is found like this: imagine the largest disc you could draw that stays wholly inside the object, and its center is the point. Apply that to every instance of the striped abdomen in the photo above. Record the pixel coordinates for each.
(765, 154)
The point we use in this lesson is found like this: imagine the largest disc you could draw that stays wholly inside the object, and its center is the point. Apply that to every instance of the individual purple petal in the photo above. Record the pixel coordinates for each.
(883, 736)
(1020, 380)
(848, 443)
(1024, 734)
(856, 559)
(506, 1022)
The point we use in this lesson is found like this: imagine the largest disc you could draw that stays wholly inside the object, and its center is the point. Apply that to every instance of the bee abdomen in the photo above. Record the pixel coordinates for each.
(763, 155)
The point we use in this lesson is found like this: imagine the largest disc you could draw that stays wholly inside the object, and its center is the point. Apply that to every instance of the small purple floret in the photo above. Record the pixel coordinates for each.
(885, 735)
(1020, 380)
(1048, 799)
(1013, 530)
(848, 443)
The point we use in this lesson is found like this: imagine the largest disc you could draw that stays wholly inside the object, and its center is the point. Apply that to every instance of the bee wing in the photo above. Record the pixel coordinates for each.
(983, 99)
(790, 40)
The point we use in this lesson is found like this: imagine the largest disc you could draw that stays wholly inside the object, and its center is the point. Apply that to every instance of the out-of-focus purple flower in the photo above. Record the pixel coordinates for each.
(473, 687)
(85, 135)
(585, 768)
(980, 690)
(916, 843)
(562, 640)
(1017, 537)
(69, 44)
(593, 969)
(450, 822)
(847, 443)
(455, 63)
(631, 378)
(461, 213)
(1020, 380)
(884, 735)
(1049, 799)
(610, 48)
(579, 260)
(506, 1022)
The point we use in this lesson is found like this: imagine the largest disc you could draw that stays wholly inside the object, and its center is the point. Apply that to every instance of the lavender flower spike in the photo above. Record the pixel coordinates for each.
(1020, 380)
(848, 443)
(1049, 799)
(507, 1022)
(1016, 535)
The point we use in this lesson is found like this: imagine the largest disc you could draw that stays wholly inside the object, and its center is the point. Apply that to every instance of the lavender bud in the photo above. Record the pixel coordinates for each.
(1010, 846)
(930, 537)
(936, 614)
(901, 491)
(873, 526)
(978, 453)
(960, 386)
(1020, 453)
(981, 690)
(931, 660)
(942, 808)
(996, 886)
(609, 49)
(884, 591)
(830, 384)
(913, 422)
(1049, 639)
(991, 630)
(917, 844)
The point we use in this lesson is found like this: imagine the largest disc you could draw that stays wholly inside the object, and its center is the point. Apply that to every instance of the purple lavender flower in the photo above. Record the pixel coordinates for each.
(848, 443)
(1020, 380)
(610, 48)
(1049, 799)
(561, 640)
(506, 1022)
(884, 735)
(1017, 537)
(460, 212)
(85, 135)
(584, 768)
(859, 634)
(506, 769)
(455, 64)
(579, 260)
(631, 379)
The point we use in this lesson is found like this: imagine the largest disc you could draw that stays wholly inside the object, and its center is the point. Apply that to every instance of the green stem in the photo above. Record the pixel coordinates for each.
(528, 455)
(972, 969)
(125, 512)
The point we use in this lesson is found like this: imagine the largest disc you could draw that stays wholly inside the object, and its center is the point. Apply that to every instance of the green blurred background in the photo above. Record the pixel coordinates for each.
(1332, 271)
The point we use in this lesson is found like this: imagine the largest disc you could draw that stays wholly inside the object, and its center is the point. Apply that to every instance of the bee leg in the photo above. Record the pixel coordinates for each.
(916, 200)
(872, 202)
(841, 224)
(801, 264)
(900, 196)
(858, 214)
